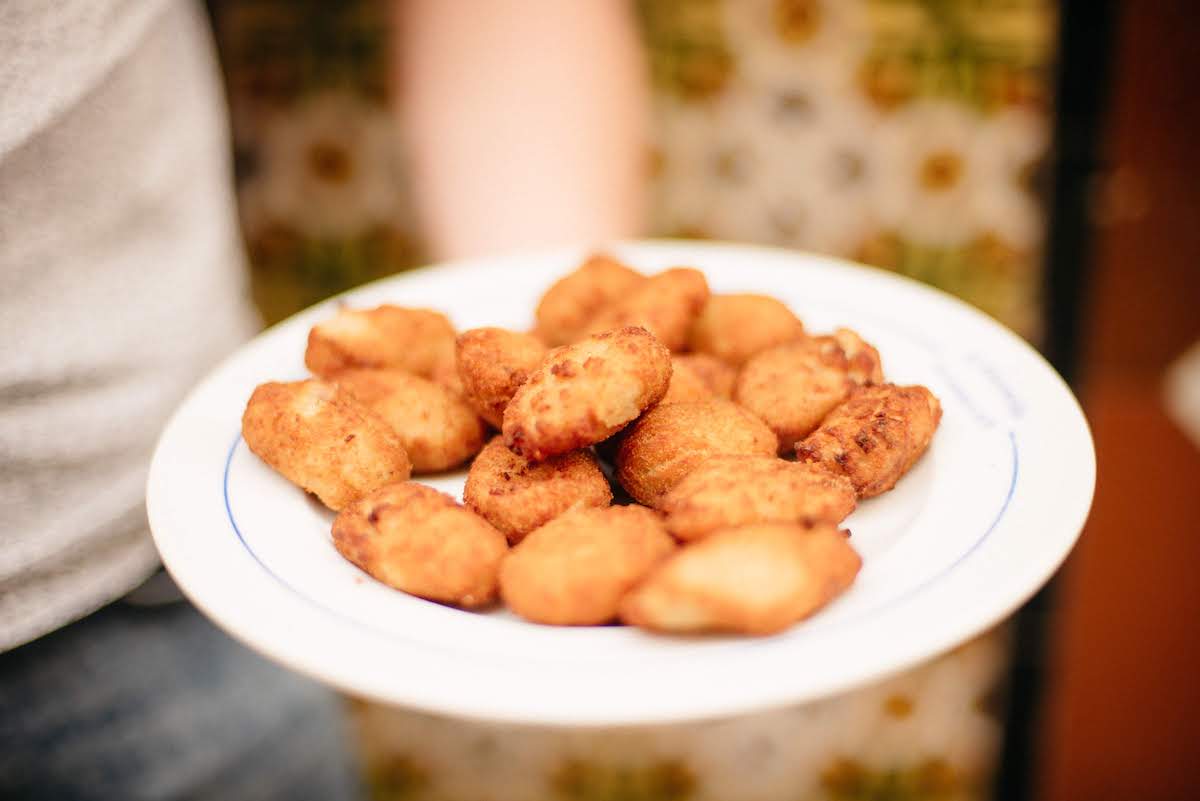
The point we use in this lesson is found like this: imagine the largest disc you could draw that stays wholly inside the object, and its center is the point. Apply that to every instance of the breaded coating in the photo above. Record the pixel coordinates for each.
(586, 392)
(322, 440)
(735, 327)
(415, 340)
(419, 540)
(793, 386)
(670, 441)
(516, 495)
(445, 375)
(686, 386)
(665, 304)
(564, 311)
(439, 429)
(719, 376)
(756, 579)
(875, 436)
(727, 491)
(574, 570)
(863, 364)
(492, 364)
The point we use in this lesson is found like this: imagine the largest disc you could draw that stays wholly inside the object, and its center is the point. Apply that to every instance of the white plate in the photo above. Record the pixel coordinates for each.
(980, 523)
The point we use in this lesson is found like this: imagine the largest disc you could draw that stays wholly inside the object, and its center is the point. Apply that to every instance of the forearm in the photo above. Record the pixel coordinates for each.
(524, 121)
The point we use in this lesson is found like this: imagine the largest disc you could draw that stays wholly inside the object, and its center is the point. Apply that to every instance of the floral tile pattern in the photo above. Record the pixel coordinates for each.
(318, 169)
(921, 736)
(909, 134)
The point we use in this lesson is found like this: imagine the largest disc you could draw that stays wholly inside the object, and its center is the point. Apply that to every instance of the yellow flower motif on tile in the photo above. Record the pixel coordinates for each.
(796, 42)
(930, 780)
(689, 55)
(888, 81)
(797, 21)
(398, 778)
(703, 73)
(947, 174)
(845, 779)
(934, 778)
(330, 161)
(579, 780)
(941, 170)
(883, 249)
(993, 256)
(329, 167)
(1008, 85)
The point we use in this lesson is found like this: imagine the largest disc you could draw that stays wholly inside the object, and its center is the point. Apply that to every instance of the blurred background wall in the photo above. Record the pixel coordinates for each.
(910, 134)
(915, 135)
(1122, 702)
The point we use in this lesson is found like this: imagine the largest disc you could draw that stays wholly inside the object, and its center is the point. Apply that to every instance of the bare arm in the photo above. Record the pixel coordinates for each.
(524, 121)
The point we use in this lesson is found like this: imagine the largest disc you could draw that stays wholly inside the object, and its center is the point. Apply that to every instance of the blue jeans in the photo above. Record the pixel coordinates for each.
(154, 702)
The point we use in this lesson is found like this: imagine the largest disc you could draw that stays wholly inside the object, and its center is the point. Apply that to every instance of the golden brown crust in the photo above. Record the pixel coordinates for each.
(492, 364)
(445, 375)
(756, 579)
(735, 327)
(670, 441)
(719, 376)
(727, 491)
(574, 570)
(516, 495)
(322, 440)
(564, 311)
(419, 540)
(439, 430)
(793, 386)
(415, 340)
(863, 364)
(686, 386)
(875, 436)
(586, 392)
(665, 304)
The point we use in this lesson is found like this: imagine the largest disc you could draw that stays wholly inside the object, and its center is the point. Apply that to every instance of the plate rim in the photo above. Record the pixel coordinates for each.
(951, 636)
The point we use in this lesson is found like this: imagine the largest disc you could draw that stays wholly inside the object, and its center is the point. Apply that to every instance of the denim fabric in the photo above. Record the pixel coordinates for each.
(153, 702)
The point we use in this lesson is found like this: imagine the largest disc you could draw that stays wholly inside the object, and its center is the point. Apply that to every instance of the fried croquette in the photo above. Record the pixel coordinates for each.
(683, 398)
(875, 436)
(574, 570)
(516, 495)
(439, 429)
(415, 340)
(727, 491)
(793, 386)
(322, 440)
(735, 327)
(719, 376)
(586, 392)
(686, 386)
(492, 364)
(419, 540)
(445, 375)
(863, 364)
(670, 441)
(665, 304)
(564, 311)
(756, 579)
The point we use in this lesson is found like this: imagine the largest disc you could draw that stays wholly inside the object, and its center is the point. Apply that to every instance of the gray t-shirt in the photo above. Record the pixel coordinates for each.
(121, 282)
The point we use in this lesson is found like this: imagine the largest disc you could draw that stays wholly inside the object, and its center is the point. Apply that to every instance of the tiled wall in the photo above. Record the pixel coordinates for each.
(909, 134)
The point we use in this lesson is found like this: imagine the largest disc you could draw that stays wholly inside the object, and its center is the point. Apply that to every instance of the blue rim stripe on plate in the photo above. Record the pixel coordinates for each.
(808, 626)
